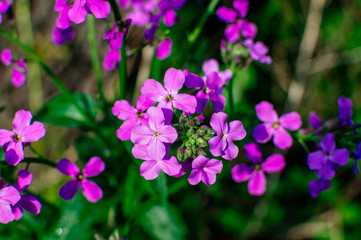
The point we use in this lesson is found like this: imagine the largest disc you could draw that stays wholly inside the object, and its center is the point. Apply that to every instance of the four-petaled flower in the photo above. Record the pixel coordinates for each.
(222, 144)
(9, 196)
(204, 169)
(91, 190)
(156, 134)
(328, 158)
(168, 95)
(255, 174)
(275, 126)
(23, 132)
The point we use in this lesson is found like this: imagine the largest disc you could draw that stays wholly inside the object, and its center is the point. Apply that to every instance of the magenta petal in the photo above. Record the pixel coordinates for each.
(124, 131)
(22, 119)
(6, 56)
(233, 32)
(78, 13)
(59, 5)
(24, 180)
(150, 169)
(193, 81)
(164, 49)
(170, 165)
(213, 166)
(140, 152)
(213, 81)
(123, 110)
(208, 178)
(242, 172)
(236, 131)
(167, 134)
(202, 100)
(6, 214)
(33, 132)
(274, 163)
(226, 14)
(111, 59)
(262, 133)
(226, 75)
(253, 152)
(291, 121)
(156, 149)
(327, 171)
(210, 66)
(99, 8)
(173, 80)
(266, 113)
(170, 17)
(281, 138)
(6, 136)
(217, 145)
(241, 6)
(316, 160)
(257, 184)
(141, 135)
(231, 151)
(328, 143)
(185, 102)
(9, 195)
(14, 153)
(63, 21)
(249, 30)
(218, 123)
(17, 211)
(156, 118)
(153, 90)
(195, 177)
(30, 203)
(93, 167)
(218, 101)
(68, 168)
(91, 191)
(144, 103)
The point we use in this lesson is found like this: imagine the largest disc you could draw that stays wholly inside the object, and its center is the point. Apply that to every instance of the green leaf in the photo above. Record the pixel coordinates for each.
(61, 111)
(163, 223)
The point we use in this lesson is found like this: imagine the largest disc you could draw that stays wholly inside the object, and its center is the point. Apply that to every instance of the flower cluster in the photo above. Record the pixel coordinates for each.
(20, 69)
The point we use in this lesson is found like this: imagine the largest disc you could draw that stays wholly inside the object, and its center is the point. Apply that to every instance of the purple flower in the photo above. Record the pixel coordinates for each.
(204, 169)
(319, 185)
(156, 134)
(164, 49)
(222, 144)
(114, 37)
(61, 36)
(150, 168)
(76, 11)
(258, 51)
(315, 122)
(255, 174)
(4, 7)
(168, 95)
(345, 111)
(210, 86)
(9, 196)
(111, 59)
(91, 190)
(131, 116)
(19, 71)
(357, 156)
(275, 126)
(328, 158)
(24, 132)
(6, 57)
(28, 202)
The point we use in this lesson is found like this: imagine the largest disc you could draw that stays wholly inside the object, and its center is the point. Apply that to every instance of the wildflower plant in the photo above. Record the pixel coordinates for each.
(167, 110)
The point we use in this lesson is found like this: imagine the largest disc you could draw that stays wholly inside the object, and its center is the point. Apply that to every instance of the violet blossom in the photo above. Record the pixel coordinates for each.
(319, 185)
(23, 132)
(222, 144)
(275, 126)
(258, 51)
(164, 49)
(20, 69)
(156, 134)
(325, 161)
(345, 111)
(9, 196)
(111, 59)
(61, 36)
(28, 202)
(255, 175)
(91, 190)
(168, 95)
(205, 170)
(4, 7)
(131, 116)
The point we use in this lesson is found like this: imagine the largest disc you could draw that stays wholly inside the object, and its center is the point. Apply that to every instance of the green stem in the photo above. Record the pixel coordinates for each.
(115, 10)
(122, 71)
(36, 160)
(135, 50)
(92, 38)
(155, 68)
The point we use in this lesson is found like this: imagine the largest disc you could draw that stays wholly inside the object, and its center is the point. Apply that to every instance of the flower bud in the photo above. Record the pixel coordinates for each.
(201, 142)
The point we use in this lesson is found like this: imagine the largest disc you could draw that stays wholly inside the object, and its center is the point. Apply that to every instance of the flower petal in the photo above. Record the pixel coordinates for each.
(6, 214)
(150, 169)
(231, 151)
(185, 102)
(291, 121)
(167, 134)
(124, 131)
(173, 80)
(123, 110)
(236, 131)
(242, 172)
(14, 153)
(69, 189)
(281, 138)
(9, 195)
(30, 203)
(226, 14)
(257, 184)
(6, 136)
(68, 168)
(195, 177)
(339, 157)
(218, 123)
(33, 132)
(262, 133)
(316, 160)
(328, 143)
(164, 49)
(170, 165)
(193, 81)
(141, 134)
(253, 152)
(266, 113)
(24, 180)
(93, 167)
(156, 149)
(153, 90)
(218, 101)
(91, 191)
(274, 163)
(22, 119)
(210, 66)
(140, 152)
(78, 13)
(318, 185)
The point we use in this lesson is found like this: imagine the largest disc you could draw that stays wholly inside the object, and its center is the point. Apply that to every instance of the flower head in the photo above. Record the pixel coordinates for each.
(205, 170)
(319, 185)
(275, 126)
(9, 196)
(255, 174)
(20, 69)
(222, 144)
(23, 132)
(91, 190)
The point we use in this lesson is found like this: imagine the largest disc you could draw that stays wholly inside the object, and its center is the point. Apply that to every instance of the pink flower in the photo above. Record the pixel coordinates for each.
(27, 201)
(168, 95)
(4, 7)
(156, 134)
(23, 132)
(164, 49)
(8, 196)
(255, 174)
(275, 126)
(132, 116)
(91, 190)
(204, 170)
(222, 144)
(20, 69)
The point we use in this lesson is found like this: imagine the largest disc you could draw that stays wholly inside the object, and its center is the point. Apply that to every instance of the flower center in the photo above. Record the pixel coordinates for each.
(140, 114)
(258, 166)
(276, 125)
(156, 134)
(70, 2)
(17, 137)
(206, 90)
(169, 98)
(80, 177)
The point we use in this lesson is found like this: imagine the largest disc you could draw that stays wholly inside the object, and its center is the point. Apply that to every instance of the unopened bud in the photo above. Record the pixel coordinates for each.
(198, 120)
(200, 151)
(201, 142)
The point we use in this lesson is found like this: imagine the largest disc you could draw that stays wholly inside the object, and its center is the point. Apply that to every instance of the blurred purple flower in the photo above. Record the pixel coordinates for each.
(19, 71)
(4, 7)
(222, 144)
(6, 56)
(91, 190)
(319, 185)
(164, 49)
(258, 51)
(111, 59)
(9, 196)
(114, 37)
(61, 36)
(315, 122)
(205, 170)
(255, 174)
(345, 111)
(23, 132)
(275, 126)
(28, 202)
(328, 158)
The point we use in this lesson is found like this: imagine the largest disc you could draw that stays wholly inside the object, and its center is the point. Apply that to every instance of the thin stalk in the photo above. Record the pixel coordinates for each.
(115, 10)
(92, 38)
(122, 70)
(35, 160)
(155, 68)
